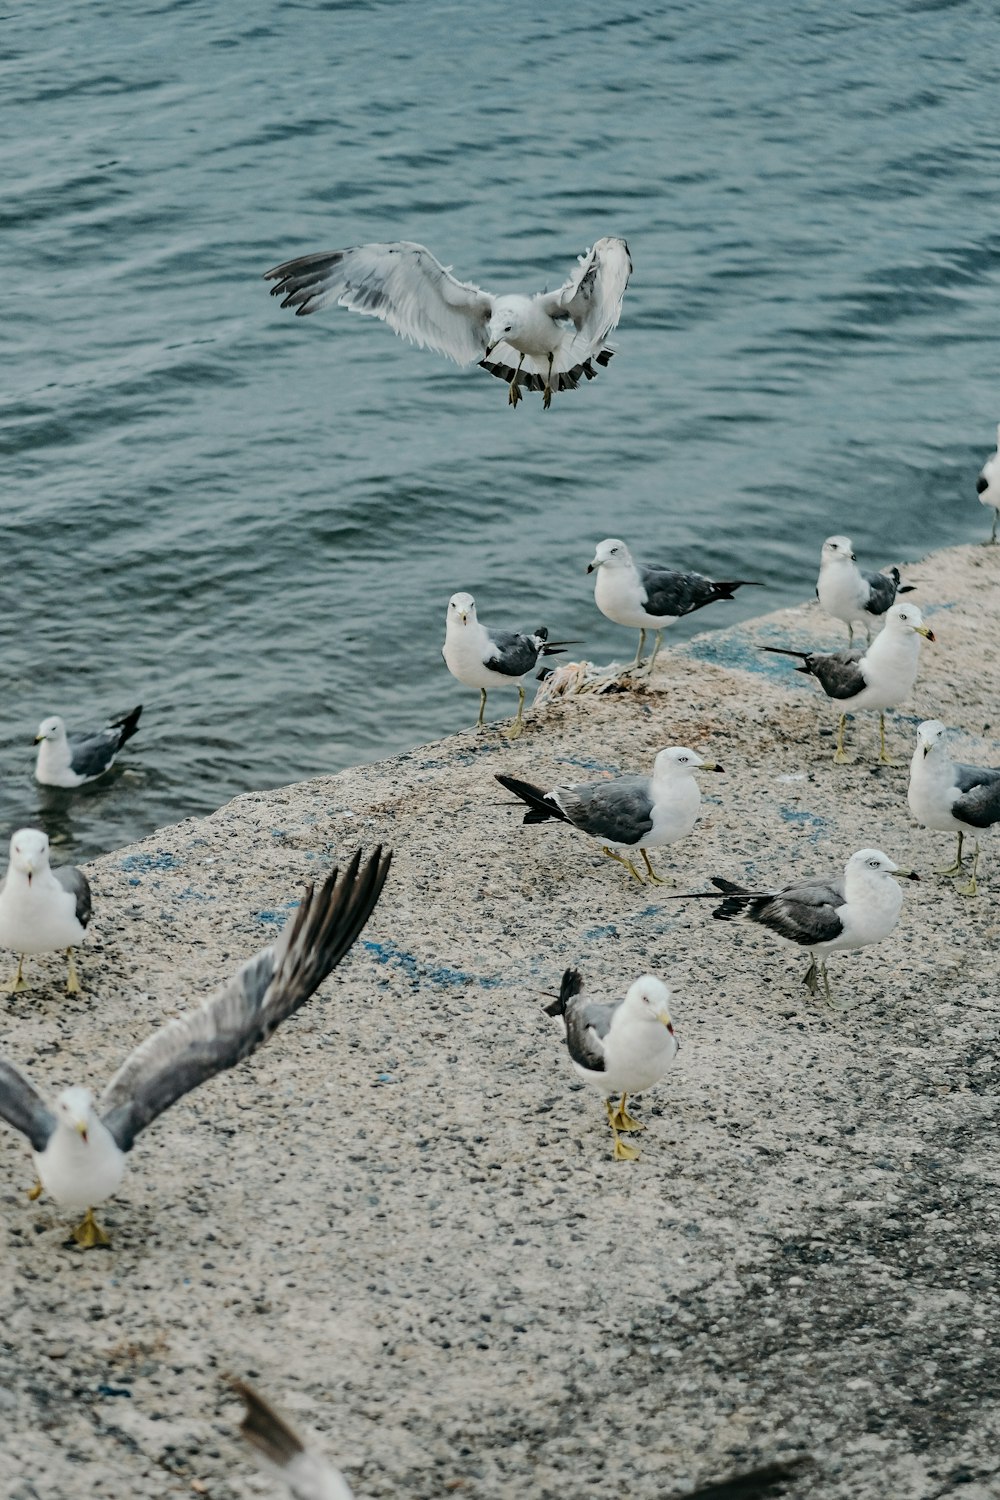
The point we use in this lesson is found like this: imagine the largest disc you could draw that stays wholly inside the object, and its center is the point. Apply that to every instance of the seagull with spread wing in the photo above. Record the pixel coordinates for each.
(79, 1145)
(306, 1473)
(541, 343)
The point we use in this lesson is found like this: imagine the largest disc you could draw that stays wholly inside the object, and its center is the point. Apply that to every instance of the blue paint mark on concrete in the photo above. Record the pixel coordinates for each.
(161, 860)
(445, 978)
(276, 918)
(807, 819)
(594, 934)
(735, 649)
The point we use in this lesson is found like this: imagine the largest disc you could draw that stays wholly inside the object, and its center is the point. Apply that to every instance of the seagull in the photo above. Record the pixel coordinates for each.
(626, 812)
(485, 658)
(79, 1146)
(306, 1473)
(951, 797)
(881, 677)
(851, 911)
(70, 760)
(618, 1047)
(650, 598)
(41, 909)
(848, 594)
(540, 343)
(988, 486)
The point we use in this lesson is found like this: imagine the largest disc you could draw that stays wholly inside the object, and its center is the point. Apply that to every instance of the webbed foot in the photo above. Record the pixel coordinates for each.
(89, 1235)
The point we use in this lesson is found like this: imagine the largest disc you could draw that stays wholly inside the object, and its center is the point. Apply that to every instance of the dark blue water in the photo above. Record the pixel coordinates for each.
(252, 523)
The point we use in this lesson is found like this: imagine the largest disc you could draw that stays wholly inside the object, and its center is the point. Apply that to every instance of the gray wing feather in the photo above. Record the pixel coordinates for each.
(619, 811)
(838, 674)
(75, 881)
(262, 994)
(675, 594)
(587, 1024)
(92, 754)
(979, 801)
(22, 1106)
(882, 590)
(516, 654)
(805, 913)
(402, 284)
(307, 1475)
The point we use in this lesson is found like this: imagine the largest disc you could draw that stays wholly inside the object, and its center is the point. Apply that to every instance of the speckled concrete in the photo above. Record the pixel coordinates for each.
(401, 1219)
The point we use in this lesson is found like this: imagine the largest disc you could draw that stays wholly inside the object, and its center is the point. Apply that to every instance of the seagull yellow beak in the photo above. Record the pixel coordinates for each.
(490, 348)
(927, 751)
(38, 739)
(664, 1016)
(927, 634)
(81, 1131)
(710, 765)
(593, 565)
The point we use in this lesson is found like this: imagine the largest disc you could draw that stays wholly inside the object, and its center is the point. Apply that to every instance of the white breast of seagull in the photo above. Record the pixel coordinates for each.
(53, 763)
(677, 800)
(535, 332)
(619, 595)
(637, 1053)
(889, 668)
(77, 1173)
(932, 790)
(870, 911)
(39, 917)
(991, 473)
(841, 589)
(466, 649)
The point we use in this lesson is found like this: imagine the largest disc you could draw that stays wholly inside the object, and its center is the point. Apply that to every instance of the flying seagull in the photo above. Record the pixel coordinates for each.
(650, 598)
(881, 677)
(851, 911)
(41, 909)
(951, 797)
(541, 343)
(625, 812)
(70, 760)
(484, 658)
(988, 486)
(848, 594)
(79, 1147)
(618, 1047)
(306, 1473)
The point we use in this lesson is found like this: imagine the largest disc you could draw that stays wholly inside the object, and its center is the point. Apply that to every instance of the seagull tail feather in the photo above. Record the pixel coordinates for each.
(540, 809)
(571, 985)
(128, 724)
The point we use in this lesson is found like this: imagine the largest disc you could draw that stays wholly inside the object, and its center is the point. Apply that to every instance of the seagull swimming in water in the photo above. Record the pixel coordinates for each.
(541, 343)
(79, 1145)
(650, 598)
(881, 677)
(618, 1047)
(483, 658)
(41, 909)
(848, 594)
(70, 760)
(951, 797)
(988, 486)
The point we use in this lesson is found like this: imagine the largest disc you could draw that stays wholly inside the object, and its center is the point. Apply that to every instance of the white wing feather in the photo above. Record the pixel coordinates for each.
(593, 295)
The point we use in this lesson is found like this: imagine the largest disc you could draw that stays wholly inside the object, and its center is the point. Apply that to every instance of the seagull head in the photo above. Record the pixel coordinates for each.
(74, 1109)
(29, 852)
(872, 864)
(838, 549)
(503, 324)
(461, 610)
(678, 760)
(51, 729)
(930, 733)
(648, 999)
(904, 617)
(611, 553)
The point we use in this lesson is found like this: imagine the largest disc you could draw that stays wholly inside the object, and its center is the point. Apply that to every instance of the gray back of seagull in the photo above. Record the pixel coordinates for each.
(91, 754)
(75, 881)
(517, 653)
(838, 674)
(979, 802)
(805, 913)
(882, 591)
(586, 1019)
(619, 811)
(670, 595)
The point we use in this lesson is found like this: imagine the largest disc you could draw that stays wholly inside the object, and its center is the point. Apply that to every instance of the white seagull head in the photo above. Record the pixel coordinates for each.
(838, 549)
(648, 999)
(611, 553)
(462, 610)
(903, 617)
(74, 1109)
(930, 733)
(51, 729)
(873, 864)
(677, 761)
(29, 852)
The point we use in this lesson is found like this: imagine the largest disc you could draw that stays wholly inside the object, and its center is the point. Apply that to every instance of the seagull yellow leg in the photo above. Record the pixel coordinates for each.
(514, 395)
(971, 889)
(638, 654)
(36, 1191)
(517, 728)
(482, 707)
(840, 755)
(826, 981)
(993, 533)
(956, 867)
(622, 861)
(809, 978)
(622, 1120)
(88, 1234)
(622, 1150)
(656, 646)
(883, 754)
(17, 983)
(547, 393)
(73, 986)
(654, 879)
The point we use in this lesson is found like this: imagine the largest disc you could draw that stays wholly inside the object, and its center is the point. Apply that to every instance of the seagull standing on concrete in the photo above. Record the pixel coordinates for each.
(618, 1047)
(649, 598)
(541, 343)
(484, 658)
(41, 909)
(79, 1146)
(881, 677)
(951, 797)
(988, 486)
(70, 760)
(848, 594)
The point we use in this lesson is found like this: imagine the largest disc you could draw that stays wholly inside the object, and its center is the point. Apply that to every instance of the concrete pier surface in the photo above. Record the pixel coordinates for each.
(401, 1219)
